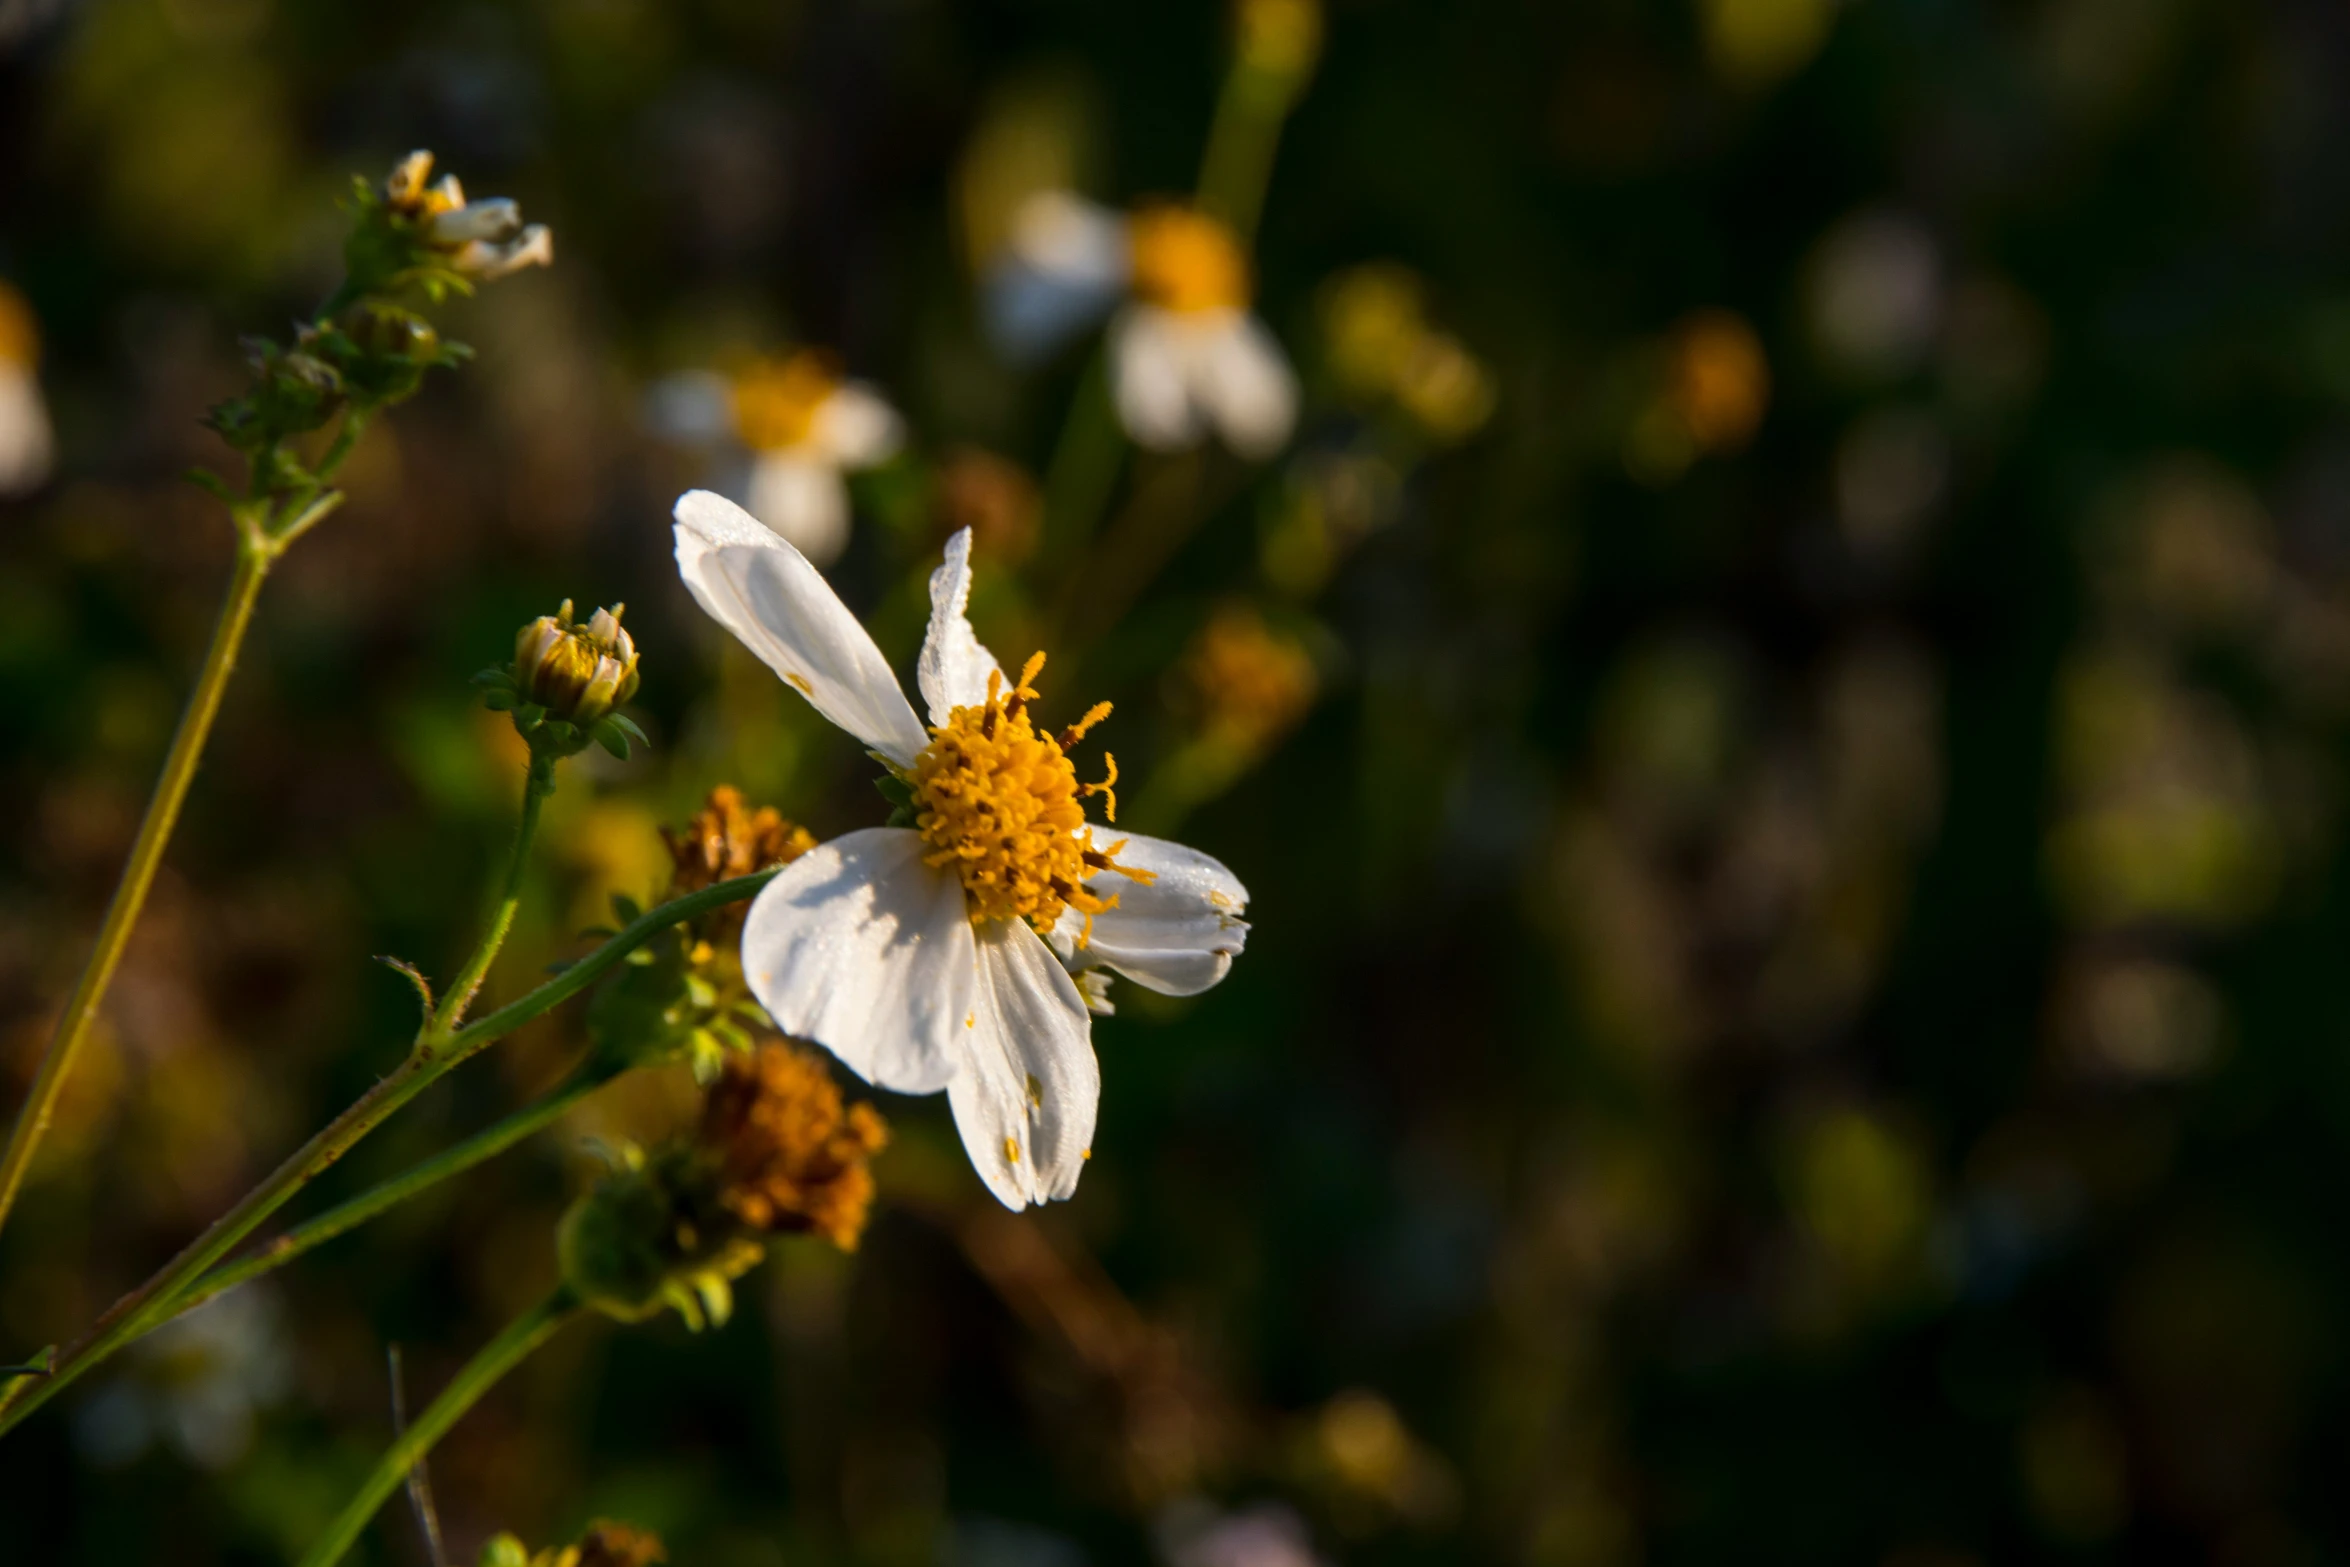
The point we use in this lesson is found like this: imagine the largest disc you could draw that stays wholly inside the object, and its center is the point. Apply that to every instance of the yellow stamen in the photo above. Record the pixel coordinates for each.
(1011, 1151)
(1000, 802)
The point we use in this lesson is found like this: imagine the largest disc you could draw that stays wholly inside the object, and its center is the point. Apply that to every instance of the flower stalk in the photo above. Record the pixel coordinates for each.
(377, 1200)
(361, 351)
(157, 1300)
(499, 1356)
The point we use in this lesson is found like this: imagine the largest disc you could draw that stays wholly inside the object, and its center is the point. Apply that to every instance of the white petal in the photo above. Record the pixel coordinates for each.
(856, 428)
(864, 949)
(1151, 378)
(26, 445)
(1064, 266)
(1026, 1097)
(954, 667)
(802, 498)
(765, 592)
(1072, 240)
(1178, 935)
(498, 218)
(1246, 385)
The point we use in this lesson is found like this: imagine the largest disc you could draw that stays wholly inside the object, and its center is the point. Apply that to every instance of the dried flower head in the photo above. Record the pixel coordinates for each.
(727, 838)
(606, 1544)
(609, 1544)
(1245, 682)
(791, 1155)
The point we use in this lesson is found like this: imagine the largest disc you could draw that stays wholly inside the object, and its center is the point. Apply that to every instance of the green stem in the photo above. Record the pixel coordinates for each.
(499, 1356)
(152, 1301)
(537, 784)
(1242, 139)
(1084, 466)
(483, 1145)
(138, 874)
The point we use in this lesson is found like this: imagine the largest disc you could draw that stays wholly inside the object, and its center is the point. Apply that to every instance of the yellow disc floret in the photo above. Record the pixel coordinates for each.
(776, 402)
(999, 801)
(1186, 261)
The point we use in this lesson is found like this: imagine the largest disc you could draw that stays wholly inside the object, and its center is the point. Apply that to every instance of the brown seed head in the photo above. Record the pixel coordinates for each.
(792, 1157)
(609, 1544)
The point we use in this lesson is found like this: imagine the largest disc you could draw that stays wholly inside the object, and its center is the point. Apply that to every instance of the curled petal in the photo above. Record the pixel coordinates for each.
(1176, 934)
(954, 666)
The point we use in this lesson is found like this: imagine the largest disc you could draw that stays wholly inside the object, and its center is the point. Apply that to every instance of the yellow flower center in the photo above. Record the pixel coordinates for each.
(1000, 802)
(775, 404)
(1186, 261)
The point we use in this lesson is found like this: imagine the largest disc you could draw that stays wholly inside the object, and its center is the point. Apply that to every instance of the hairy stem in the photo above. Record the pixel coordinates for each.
(499, 1356)
(483, 1145)
(138, 873)
(153, 1301)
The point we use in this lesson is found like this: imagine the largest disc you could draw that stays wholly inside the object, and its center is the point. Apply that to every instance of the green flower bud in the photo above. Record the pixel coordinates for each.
(653, 1235)
(577, 673)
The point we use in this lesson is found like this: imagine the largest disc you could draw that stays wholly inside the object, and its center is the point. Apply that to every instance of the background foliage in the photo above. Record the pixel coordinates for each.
(1794, 1006)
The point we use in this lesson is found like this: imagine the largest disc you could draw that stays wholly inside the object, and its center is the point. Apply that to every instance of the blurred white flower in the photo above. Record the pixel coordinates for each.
(1192, 1534)
(1876, 295)
(26, 445)
(1187, 359)
(919, 954)
(798, 427)
(195, 1385)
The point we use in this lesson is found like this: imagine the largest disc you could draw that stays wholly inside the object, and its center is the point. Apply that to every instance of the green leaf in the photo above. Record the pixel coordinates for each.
(626, 909)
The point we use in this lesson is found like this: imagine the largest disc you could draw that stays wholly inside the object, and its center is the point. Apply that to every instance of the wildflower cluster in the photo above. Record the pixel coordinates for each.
(369, 347)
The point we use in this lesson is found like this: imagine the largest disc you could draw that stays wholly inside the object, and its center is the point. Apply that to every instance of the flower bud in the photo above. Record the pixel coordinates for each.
(483, 240)
(577, 673)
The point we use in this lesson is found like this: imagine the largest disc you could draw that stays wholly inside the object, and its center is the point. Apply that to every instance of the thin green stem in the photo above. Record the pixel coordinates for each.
(1084, 466)
(499, 1356)
(483, 1145)
(1238, 162)
(152, 1301)
(537, 784)
(138, 873)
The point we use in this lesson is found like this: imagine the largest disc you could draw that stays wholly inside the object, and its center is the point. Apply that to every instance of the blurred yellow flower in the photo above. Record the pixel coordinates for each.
(1754, 43)
(1245, 684)
(1380, 346)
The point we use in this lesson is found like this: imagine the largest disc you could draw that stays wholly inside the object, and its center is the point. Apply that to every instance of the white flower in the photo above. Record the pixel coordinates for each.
(26, 445)
(1187, 359)
(800, 427)
(1192, 1534)
(914, 953)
